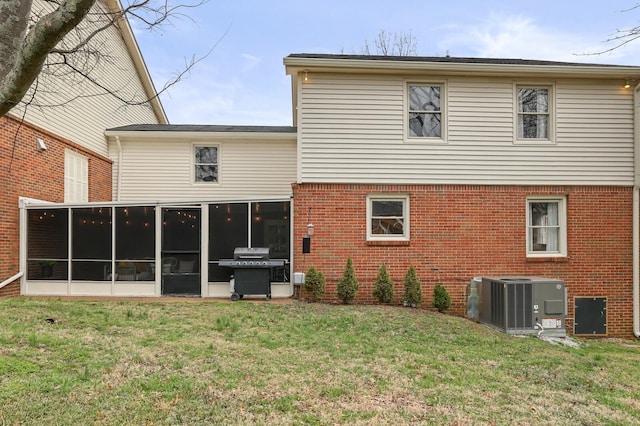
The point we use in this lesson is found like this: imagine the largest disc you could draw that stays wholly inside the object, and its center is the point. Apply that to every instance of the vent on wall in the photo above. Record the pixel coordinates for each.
(523, 305)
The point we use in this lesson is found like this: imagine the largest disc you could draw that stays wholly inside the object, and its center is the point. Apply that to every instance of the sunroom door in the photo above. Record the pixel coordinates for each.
(181, 251)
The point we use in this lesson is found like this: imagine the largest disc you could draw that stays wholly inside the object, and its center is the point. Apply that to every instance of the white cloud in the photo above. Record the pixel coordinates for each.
(210, 97)
(196, 101)
(517, 36)
(250, 62)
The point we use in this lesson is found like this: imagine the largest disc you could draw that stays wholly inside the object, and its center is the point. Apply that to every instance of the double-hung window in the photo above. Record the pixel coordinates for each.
(534, 113)
(425, 110)
(546, 227)
(388, 217)
(206, 163)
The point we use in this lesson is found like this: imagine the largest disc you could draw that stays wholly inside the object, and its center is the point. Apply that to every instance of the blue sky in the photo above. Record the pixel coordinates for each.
(243, 79)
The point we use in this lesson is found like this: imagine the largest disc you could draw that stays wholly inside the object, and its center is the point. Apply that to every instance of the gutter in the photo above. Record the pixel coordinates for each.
(198, 135)
(636, 215)
(295, 65)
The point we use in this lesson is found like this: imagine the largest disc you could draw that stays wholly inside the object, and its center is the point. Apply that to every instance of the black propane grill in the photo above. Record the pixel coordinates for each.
(251, 271)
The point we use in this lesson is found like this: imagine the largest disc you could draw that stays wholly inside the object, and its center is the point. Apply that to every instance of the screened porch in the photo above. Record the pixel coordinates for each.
(112, 249)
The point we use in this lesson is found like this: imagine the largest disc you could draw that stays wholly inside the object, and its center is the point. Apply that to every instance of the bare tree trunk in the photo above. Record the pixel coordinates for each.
(14, 17)
(22, 58)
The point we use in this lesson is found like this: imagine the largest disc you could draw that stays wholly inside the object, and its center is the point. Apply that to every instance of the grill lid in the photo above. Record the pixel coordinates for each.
(241, 253)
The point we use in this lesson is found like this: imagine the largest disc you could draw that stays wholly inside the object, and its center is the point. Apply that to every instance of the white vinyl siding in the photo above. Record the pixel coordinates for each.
(82, 109)
(76, 177)
(161, 169)
(351, 129)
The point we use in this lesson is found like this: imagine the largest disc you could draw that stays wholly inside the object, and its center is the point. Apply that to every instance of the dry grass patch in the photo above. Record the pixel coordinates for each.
(129, 362)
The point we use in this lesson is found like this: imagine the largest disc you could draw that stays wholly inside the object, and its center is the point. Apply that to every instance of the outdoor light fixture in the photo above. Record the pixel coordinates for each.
(306, 240)
(306, 75)
(627, 84)
(41, 145)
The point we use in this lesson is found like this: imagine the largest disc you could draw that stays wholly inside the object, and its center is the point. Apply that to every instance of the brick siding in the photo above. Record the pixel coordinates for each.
(26, 172)
(461, 232)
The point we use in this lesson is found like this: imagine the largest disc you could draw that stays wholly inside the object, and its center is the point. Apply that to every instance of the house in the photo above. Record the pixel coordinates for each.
(54, 148)
(460, 167)
(465, 167)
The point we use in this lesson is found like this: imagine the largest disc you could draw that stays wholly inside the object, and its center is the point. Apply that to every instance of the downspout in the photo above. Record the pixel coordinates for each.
(119, 176)
(20, 273)
(636, 215)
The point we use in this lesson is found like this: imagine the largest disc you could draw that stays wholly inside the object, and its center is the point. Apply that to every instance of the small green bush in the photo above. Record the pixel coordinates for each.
(441, 298)
(412, 288)
(314, 283)
(348, 285)
(383, 288)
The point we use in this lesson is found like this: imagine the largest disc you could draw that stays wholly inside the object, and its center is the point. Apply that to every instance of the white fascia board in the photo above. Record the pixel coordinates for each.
(139, 135)
(295, 65)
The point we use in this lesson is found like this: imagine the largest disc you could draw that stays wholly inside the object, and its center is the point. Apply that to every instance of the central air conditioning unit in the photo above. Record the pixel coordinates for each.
(523, 305)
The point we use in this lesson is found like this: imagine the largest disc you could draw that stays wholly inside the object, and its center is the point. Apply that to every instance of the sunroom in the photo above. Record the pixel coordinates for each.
(149, 249)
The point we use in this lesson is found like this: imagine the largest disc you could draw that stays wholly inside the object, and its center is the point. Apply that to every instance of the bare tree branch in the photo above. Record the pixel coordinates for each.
(39, 41)
(387, 44)
(621, 37)
(57, 46)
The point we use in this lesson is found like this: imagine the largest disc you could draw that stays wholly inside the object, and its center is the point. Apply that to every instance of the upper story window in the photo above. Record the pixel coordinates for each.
(546, 227)
(76, 177)
(425, 114)
(534, 113)
(206, 163)
(388, 217)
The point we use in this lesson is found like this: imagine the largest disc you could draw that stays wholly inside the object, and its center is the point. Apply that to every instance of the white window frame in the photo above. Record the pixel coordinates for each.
(562, 226)
(551, 122)
(442, 84)
(76, 177)
(195, 145)
(405, 217)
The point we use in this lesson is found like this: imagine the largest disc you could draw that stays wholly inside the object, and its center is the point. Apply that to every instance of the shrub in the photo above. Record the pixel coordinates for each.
(412, 288)
(348, 285)
(314, 282)
(441, 298)
(383, 288)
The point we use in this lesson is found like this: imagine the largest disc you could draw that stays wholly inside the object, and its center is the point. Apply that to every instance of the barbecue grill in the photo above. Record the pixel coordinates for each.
(251, 271)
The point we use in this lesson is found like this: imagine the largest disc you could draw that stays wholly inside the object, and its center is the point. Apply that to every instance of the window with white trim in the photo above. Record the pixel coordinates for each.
(534, 113)
(425, 103)
(388, 217)
(546, 227)
(76, 177)
(206, 165)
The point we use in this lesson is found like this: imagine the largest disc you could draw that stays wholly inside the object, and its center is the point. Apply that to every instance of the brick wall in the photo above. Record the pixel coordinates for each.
(460, 232)
(26, 172)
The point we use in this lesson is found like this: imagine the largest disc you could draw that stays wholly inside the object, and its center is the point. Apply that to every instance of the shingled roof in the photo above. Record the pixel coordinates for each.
(446, 59)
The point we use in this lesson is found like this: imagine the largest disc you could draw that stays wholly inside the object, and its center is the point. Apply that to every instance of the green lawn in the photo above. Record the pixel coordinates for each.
(160, 362)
